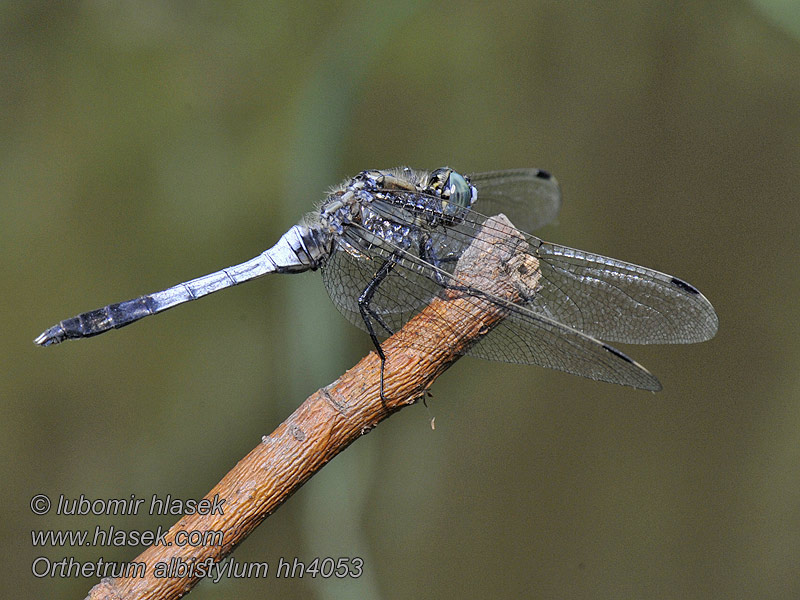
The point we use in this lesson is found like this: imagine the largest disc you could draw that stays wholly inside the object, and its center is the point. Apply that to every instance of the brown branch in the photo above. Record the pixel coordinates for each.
(337, 415)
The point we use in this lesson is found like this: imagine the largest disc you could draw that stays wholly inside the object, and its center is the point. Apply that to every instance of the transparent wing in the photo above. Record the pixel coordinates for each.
(531, 198)
(610, 299)
(523, 337)
(618, 301)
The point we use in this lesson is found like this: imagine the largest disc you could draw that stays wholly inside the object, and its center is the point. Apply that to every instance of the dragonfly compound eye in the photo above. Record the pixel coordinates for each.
(458, 191)
(454, 189)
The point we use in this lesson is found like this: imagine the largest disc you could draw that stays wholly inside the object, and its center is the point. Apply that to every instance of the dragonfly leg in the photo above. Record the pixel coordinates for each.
(368, 314)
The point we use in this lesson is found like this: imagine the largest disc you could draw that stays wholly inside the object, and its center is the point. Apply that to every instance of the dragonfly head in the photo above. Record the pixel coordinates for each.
(454, 189)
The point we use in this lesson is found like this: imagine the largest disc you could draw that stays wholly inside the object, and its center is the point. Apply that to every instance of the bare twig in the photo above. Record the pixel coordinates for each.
(336, 416)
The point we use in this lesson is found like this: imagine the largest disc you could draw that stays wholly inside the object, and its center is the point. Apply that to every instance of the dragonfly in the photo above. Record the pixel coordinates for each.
(387, 242)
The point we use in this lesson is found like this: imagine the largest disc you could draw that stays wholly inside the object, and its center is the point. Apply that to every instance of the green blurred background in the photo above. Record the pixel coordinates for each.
(146, 143)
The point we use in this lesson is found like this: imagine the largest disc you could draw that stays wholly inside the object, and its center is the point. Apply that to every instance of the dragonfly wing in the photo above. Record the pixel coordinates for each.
(618, 301)
(528, 338)
(530, 198)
